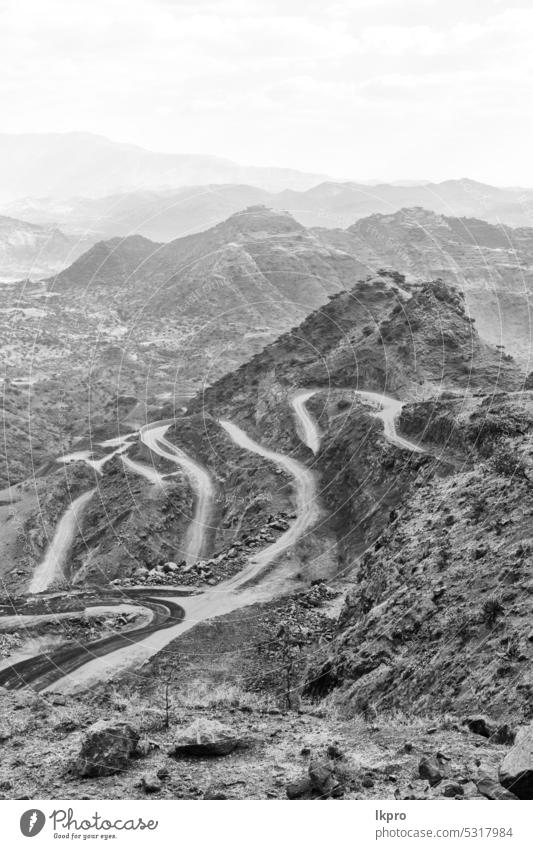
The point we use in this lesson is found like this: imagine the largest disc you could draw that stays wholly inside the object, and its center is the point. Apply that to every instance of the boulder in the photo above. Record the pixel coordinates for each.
(479, 724)
(324, 780)
(452, 789)
(150, 783)
(214, 792)
(516, 770)
(106, 749)
(300, 789)
(490, 789)
(430, 770)
(204, 738)
(505, 735)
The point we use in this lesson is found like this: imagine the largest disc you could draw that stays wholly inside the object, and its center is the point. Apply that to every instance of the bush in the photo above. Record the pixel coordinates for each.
(507, 461)
(491, 610)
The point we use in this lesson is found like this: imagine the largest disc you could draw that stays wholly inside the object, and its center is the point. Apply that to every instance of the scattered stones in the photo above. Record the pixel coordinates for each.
(204, 738)
(516, 770)
(106, 749)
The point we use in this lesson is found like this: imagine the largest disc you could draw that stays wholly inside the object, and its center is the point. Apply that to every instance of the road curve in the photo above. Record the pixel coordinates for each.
(305, 423)
(72, 668)
(43, 670)
(56, 554)
(390, 410)
(306, 503)
(153, 436)
(243, 589)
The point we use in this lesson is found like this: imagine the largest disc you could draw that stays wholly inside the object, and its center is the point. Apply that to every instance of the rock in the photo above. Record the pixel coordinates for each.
(301, 789)
(150, 783)
(5, 733)
(430, 771)
(479, 724)
(106, 749)
(334, 751)
(163, 773)
(367, 781)
(145, 747)
(204, 738)
(504, 735)
(516, 770)
(452, 789)
(490, 789)
(213, 793)
(323, 779)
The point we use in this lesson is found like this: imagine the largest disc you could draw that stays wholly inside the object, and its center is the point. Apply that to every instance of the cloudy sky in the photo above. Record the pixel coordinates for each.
(353, 88)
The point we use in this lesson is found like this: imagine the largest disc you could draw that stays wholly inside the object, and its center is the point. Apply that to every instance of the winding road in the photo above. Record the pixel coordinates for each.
(389, 412)
(153, 436)
(68, 526)
(304, 421)
(306, 502)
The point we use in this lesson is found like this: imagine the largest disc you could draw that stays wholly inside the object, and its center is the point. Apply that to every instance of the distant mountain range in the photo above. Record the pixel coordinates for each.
(166, 215)
(262, 268)
(62, 165)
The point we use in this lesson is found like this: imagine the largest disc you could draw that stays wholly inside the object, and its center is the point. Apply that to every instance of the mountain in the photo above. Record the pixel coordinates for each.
(60, 165)
(493, 265)
(166, 215)
(31, 251)
(437, 619)
(333, 204)
(225, 292)
(170, 316)
(380, 565)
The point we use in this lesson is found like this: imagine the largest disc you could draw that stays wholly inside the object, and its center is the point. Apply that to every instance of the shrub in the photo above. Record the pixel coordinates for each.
(491, 610)
(507, 460)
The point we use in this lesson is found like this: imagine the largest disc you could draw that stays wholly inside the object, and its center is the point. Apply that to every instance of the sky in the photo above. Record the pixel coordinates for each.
(356, 89)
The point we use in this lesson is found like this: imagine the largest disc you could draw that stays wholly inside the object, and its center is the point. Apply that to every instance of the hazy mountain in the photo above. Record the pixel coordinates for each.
(33, 251)
(492, 264)
(65, 164)
(166, 215)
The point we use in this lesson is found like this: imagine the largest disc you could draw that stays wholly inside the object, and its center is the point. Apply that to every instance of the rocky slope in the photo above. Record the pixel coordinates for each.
(32, 251)
(430, 548)
(440, 616)
(491, 263)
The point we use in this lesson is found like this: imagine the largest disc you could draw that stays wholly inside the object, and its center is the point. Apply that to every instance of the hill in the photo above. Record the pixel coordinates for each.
(31, 251)
(62, 165)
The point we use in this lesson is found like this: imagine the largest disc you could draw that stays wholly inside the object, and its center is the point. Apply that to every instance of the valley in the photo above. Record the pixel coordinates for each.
(268, 530)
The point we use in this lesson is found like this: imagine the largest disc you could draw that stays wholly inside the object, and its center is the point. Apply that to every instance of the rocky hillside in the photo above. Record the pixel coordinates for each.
(32, 251)
(439, 619)
(491, 263)
(378, 337)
